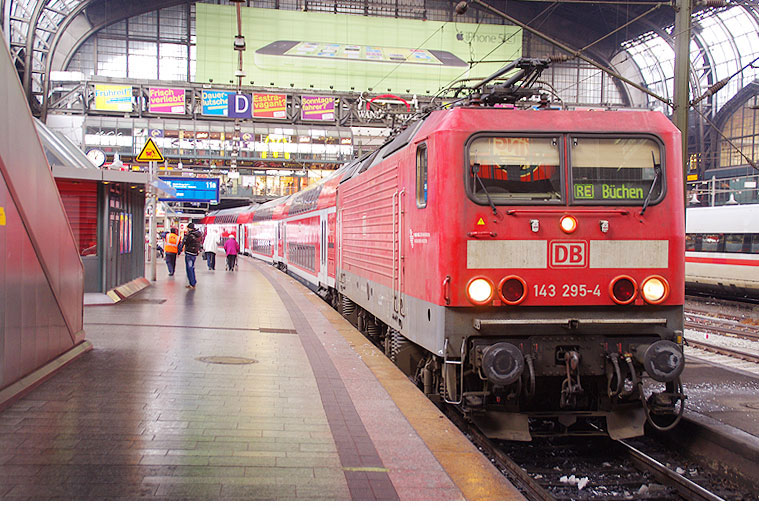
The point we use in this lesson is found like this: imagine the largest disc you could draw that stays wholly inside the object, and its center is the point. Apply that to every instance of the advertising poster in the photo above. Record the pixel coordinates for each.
(321, 108)
(327, 51)
(113, 98)
(215, 102)
(257, 106)
(269, 106)
(166, 100)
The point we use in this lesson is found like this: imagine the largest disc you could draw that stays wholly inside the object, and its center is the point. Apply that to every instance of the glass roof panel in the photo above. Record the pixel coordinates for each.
(724, 41)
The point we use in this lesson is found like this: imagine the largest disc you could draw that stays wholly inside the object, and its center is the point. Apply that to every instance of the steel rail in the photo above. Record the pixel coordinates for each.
(523, 481)
(684, 486)
(742, 355)
(746, 334)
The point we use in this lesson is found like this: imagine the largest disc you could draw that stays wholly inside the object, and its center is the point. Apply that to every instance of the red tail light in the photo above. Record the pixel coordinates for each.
(512, 289)
(623, 289)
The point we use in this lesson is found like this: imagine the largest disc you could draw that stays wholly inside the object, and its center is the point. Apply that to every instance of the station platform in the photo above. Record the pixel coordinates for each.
(248, 387)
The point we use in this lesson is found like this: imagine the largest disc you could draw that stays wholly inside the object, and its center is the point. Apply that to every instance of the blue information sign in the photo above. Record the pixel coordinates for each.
(192, 190)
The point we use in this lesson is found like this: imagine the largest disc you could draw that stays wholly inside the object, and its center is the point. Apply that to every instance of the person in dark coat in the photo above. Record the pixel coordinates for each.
(191, 244)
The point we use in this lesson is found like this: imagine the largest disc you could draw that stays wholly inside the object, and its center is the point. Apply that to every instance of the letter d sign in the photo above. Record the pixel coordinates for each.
(239, 106)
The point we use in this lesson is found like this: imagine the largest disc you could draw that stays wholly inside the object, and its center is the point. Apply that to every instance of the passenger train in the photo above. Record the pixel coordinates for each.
(525, 266)
(722, 250)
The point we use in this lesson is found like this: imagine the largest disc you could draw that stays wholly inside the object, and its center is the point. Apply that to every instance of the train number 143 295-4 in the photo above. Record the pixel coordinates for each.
(567, 290)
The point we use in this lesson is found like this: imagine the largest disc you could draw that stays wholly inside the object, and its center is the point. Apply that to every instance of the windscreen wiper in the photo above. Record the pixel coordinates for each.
(476, 173)
(657, 176)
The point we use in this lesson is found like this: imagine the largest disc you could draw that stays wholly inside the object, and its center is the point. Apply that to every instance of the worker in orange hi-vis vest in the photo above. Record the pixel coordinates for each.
(170, 248)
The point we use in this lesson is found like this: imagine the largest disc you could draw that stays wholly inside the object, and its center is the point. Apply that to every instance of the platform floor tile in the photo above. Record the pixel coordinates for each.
(241, 389)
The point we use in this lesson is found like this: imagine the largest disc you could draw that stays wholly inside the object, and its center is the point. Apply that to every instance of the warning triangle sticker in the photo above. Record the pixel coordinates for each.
(150, 153)
(480, 221)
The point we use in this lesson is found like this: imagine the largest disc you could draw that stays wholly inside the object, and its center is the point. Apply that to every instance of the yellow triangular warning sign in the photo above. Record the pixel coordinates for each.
(150, 153)
(480, 221)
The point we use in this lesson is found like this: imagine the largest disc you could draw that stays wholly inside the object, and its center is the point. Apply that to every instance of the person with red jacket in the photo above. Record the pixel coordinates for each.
(232, 248)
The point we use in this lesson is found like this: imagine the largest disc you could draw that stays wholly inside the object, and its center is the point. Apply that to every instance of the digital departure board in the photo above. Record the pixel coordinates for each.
(193, 190)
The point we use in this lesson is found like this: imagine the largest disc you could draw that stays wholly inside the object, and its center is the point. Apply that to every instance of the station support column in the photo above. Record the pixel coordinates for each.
(683, 10)
(153, 228)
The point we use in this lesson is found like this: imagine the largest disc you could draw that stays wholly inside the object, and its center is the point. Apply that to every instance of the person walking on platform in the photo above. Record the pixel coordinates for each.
(232, 248)
(191, 244)
(210, 247)
(170, 249)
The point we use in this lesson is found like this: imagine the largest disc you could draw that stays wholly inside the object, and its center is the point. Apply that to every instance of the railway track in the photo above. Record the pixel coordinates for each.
(597, 468)
(722, 326)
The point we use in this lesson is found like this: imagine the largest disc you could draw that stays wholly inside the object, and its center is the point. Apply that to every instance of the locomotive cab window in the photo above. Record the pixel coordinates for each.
(508, 170)
(616, 170)
(421, 176)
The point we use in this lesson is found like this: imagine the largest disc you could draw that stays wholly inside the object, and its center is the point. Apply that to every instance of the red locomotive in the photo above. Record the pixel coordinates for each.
(524, 265)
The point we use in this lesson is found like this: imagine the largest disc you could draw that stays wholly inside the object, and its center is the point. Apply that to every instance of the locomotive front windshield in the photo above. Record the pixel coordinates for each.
(514, 169)
(615, 170)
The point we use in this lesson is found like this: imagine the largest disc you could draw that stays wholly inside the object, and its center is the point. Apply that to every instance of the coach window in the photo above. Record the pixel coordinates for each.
(514, 170)
(421, 176)
(608, 170)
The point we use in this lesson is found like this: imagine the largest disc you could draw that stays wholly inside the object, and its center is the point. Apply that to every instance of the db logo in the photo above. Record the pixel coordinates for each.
(568, 254)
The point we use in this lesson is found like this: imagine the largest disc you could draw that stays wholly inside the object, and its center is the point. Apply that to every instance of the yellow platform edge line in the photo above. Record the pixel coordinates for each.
(470, 471)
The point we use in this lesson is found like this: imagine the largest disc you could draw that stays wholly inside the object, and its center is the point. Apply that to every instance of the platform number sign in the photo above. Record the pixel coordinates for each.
(568, 254)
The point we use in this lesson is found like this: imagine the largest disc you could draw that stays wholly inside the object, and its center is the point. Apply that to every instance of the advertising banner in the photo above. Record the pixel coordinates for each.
(269, 106)
(327, 51)
(257, 106)
(215, 102)
(320, 108)
(113, 98)
(166, 100)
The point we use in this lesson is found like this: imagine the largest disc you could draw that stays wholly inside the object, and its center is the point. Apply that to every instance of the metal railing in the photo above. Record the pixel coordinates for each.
(724, 191)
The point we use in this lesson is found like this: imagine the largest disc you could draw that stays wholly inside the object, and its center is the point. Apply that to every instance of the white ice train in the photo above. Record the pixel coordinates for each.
(722, 250)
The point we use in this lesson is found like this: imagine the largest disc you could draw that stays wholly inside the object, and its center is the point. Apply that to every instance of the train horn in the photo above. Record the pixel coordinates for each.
(502, 363)
(663, 360)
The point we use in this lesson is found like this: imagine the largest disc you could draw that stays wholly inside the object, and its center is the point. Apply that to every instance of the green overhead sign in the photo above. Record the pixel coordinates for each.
(326, 51)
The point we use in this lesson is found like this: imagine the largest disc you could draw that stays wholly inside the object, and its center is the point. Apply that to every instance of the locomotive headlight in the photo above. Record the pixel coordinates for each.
(568, 224)
(654, 289)
(480, 291)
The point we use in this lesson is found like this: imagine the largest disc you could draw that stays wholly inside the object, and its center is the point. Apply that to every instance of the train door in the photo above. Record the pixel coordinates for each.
(323, 246)
(281, 242)
(398, 253)
(242, 235)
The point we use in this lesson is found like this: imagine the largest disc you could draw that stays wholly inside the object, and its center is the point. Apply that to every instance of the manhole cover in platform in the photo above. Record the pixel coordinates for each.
(227, 360)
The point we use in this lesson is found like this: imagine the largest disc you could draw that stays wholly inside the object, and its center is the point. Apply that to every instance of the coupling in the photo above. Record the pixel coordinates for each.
(663, 360)
(502, 363)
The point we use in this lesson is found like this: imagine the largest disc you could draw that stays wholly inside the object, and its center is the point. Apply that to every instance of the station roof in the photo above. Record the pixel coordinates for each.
(725, 40)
